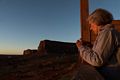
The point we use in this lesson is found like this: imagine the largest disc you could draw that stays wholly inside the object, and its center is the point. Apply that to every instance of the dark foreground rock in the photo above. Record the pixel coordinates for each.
(35, 67)
(52, 67)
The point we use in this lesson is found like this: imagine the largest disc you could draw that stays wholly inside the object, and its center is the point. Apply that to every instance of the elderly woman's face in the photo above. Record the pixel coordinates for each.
(94, 28)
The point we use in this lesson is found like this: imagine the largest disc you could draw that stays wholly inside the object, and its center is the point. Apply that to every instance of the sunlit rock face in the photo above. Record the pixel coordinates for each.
(56, 47)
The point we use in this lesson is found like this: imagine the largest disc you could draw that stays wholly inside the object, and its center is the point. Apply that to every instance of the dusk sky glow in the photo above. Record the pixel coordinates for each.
(24, 23)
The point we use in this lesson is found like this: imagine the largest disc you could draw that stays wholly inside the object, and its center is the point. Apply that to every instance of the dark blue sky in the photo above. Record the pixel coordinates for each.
(24, 23)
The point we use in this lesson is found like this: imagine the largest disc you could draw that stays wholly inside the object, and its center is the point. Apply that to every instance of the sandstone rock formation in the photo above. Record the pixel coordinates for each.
(56, 47)
(48, 47)
(30, 52)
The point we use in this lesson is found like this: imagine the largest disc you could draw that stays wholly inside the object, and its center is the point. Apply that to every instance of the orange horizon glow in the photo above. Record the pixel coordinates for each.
(11, 52)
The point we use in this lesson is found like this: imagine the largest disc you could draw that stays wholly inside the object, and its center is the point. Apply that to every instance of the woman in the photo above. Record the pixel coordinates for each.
(104, 51)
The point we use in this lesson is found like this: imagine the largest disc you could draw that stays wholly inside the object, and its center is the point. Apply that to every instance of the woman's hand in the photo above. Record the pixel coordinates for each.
(78, 43)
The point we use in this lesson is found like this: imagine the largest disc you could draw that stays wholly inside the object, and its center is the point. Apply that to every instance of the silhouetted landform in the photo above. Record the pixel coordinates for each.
(48, 47)
(30, 52)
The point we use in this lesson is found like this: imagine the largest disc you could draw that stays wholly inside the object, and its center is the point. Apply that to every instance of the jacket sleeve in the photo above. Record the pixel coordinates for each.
(101, 51)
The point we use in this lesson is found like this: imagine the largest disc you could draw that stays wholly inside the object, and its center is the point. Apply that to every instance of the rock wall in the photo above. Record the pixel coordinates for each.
(51, 47)
(30, 52)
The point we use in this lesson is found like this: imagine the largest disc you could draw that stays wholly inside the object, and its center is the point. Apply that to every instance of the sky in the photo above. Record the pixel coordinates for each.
(24, 23)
